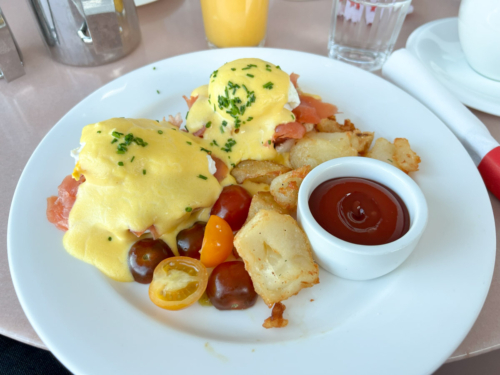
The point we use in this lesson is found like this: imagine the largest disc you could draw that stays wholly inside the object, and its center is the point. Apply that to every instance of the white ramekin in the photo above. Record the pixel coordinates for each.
(362, 262)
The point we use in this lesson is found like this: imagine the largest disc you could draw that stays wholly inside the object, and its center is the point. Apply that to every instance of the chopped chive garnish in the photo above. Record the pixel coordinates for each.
(215, 143)
(224, 123)
(99, 131)
(214, 74)
(233, 165)
(207, 151)
(268, 85)
(233, 69)
(250, 119)
(250, 75)
(131, 160)
(110, 238)
(157, 91)
(120, 163)
(154, 67)
(293, 117)
(222, 130)
(114, 140)
(229, 145)
(268, 141)
(187, 114)
(189, 143)
(189, 209)
(158, 121)
(208, 124)
(278, 67)
(249, 66)
(268, 67)
(116, 134)
(390, 160)
(143, 171)
(202, 177)
(160, 131)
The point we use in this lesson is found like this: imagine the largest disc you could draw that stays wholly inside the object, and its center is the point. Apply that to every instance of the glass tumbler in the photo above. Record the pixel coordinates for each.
(235, 23)
(363, 32)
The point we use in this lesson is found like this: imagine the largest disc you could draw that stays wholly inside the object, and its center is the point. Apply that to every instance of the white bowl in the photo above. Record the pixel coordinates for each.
(362, 262)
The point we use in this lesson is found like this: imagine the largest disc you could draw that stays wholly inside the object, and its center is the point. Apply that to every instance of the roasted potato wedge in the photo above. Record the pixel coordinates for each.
(398, 154)
(316, 148)
(406, 158)
(330, 125)
(361, 141)
(285, 188)
(277, 255)
(258, 171)
(264, 200)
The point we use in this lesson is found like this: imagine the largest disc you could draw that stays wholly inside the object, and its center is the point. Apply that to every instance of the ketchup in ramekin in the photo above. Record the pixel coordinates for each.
(359, 211)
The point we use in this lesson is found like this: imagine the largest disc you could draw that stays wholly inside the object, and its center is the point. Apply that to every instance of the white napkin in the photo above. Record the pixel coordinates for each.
(407, 72)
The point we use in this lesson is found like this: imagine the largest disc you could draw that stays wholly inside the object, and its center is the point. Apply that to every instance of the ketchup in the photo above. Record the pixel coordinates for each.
(359, 211)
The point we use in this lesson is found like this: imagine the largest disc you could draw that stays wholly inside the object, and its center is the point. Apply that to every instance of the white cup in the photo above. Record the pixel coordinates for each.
(479, 32)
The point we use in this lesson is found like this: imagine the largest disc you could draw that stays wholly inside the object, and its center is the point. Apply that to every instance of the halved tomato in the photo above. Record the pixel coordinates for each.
(217, 242)
(178, 282)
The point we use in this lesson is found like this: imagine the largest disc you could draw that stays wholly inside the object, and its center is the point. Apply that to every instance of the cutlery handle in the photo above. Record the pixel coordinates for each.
(407, 72)
(489, 168)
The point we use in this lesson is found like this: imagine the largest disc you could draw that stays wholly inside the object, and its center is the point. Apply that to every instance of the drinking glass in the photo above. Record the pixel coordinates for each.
(363, 32)
(235, 23)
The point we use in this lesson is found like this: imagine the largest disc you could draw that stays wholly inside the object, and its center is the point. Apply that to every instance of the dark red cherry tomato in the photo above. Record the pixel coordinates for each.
(189, 240)
(232, 206)
(230, 287)
(144, 256)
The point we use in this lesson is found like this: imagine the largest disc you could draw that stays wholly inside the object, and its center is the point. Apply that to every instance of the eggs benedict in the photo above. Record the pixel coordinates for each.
(139, 175)
(238, 112)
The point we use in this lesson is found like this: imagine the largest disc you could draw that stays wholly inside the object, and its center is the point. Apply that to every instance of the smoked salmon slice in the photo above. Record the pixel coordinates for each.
(310, 110)
(58, 208)
(152, 230)
(290, 130)
(222, 168)
(190, 101)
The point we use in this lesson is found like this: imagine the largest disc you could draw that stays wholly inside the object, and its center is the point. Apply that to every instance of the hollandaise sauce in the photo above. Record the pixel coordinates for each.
(139, 174)
(239, 109)
(235, 23)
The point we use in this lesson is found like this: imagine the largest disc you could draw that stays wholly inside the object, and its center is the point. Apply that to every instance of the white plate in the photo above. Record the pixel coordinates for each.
(437, 46)
(407, 322)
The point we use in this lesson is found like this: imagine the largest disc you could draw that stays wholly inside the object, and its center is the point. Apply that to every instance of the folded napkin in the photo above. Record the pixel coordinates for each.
(407, 72)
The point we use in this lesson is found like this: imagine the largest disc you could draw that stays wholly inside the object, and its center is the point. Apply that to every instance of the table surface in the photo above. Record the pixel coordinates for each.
(32, 104)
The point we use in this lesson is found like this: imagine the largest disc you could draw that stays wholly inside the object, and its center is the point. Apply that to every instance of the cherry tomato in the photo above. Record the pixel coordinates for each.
(178, 282)
(217, 243)
(144, 256)
(230, 287)
(189, 240)
(232, 206)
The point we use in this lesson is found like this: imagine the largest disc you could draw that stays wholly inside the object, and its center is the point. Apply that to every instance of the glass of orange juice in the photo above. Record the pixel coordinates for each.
(235, 23)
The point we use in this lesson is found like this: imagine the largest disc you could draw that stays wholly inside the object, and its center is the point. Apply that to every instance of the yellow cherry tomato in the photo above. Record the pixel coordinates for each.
(178, 282)
(217, 242)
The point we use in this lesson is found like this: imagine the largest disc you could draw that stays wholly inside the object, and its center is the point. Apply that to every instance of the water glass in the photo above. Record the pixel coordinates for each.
(235, 23)
(363, 32)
